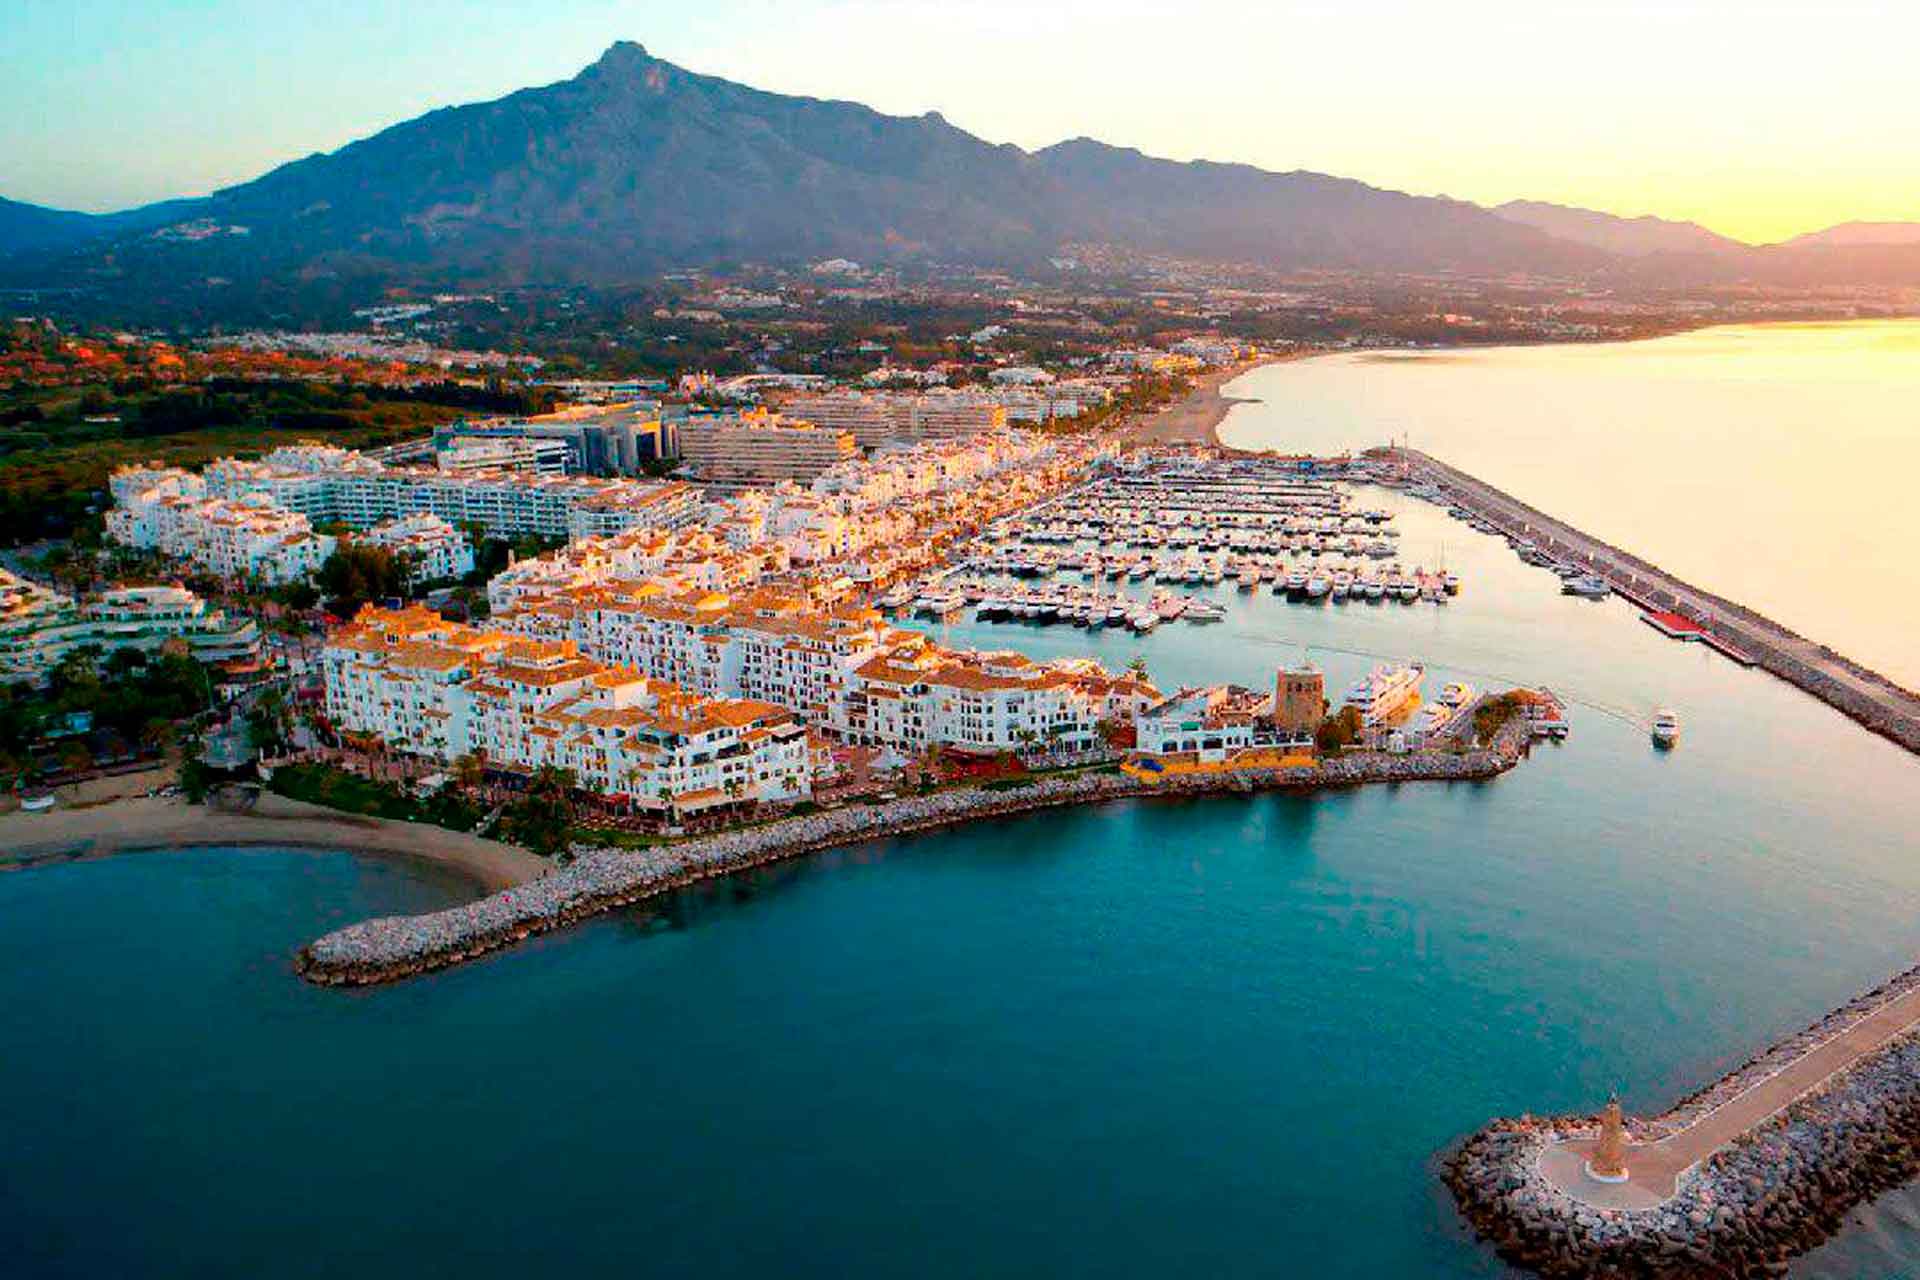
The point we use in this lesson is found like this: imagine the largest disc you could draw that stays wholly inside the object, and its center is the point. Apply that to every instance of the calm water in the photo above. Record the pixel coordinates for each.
(1771, 463)
(1220, 1037)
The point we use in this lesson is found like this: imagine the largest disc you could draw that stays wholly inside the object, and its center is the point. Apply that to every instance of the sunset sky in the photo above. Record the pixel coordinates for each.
(1758, 120)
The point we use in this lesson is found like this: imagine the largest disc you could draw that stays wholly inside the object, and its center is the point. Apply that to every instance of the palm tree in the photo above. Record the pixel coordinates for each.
(468, 770)
(552, 783)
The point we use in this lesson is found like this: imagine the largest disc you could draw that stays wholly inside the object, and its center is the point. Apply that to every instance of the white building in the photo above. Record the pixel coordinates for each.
(40, 626)
(439, 690)
(878, 418)
(327, 485)
(242, 540)
(759, 447)
(1019, 375)
(435, 550)
(480, 453)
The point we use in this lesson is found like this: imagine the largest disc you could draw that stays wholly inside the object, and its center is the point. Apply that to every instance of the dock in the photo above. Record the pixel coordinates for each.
(1680, 609)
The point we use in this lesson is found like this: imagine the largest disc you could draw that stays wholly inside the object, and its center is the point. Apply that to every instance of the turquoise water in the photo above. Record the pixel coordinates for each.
(1224, 1037)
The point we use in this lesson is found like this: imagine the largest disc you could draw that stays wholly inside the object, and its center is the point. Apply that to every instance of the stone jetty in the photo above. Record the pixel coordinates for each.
(599, 880)
(1836, 1121)
(1870, 698)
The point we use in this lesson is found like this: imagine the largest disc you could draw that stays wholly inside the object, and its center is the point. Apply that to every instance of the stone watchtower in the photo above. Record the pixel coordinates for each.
(1299, 699)
(1609, 1160)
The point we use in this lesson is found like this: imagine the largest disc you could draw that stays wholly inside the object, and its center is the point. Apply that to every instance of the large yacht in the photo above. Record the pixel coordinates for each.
(1384, 690)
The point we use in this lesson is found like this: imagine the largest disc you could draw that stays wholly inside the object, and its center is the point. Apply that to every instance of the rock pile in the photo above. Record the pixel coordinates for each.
(598, 880)
(1777, 1191)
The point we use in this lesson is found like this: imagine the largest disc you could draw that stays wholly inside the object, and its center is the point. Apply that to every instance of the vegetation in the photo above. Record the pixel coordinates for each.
(351, 793)
(1492, 715)
(1338, 731)
(543, 819)
(138, 700)
(358, 572)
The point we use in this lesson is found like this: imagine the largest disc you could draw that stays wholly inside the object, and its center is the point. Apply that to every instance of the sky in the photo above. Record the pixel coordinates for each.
(1759, 120)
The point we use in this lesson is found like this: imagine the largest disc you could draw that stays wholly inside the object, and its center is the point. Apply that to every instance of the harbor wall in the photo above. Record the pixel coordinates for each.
(599, 880)
(1868, 697)
(1779, 1189)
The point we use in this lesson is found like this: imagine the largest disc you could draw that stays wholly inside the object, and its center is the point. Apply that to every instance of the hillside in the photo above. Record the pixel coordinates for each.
(1627, 237)
(636, 164)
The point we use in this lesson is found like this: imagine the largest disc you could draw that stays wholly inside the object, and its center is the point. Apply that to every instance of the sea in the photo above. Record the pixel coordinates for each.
(1773, 464)
(1224, 1037)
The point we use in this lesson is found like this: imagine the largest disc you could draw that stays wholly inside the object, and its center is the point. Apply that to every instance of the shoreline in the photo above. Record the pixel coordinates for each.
(150, 824)
(599, 880)
(1195, 418)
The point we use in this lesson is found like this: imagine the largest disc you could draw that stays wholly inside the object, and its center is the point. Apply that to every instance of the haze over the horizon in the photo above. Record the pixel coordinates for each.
(1759, 121)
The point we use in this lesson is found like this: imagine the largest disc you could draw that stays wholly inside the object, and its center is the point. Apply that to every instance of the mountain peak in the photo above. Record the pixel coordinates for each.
(623, 57)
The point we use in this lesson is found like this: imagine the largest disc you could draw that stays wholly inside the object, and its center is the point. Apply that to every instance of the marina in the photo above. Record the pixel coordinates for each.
(1129, 549)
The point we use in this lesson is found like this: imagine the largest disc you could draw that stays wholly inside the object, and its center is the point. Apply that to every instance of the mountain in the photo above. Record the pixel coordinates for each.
(31, 228)
(637, 164)
(1240, 213)
(1855, 235)
(26, 228)
(1627, 237)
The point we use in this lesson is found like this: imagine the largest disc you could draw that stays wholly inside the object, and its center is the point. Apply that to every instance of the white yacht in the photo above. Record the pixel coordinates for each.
(1383, 691)
(1587, 586)
(1666, 727)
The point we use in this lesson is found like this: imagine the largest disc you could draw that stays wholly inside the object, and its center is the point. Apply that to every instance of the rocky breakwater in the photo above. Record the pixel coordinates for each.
(1864, 695)
(598, 880)
(1768, 1194)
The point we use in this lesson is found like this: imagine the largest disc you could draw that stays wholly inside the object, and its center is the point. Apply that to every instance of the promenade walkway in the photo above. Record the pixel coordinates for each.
(1655, 1168)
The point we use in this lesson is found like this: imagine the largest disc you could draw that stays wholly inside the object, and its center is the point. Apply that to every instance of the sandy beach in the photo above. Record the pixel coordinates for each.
(144, 823)
(1196, 418)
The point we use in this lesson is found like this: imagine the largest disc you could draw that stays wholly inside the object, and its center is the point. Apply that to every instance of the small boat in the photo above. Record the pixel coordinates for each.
(1318, 585)
(1452, 582)
(1666, 728)
(1586, 586)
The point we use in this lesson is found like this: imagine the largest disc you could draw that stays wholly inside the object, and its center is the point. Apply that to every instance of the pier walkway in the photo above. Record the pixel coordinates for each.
(1656, 1168)
(1868, 697)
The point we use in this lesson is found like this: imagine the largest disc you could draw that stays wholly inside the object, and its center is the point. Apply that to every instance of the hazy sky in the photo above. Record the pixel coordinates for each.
(1759, 120)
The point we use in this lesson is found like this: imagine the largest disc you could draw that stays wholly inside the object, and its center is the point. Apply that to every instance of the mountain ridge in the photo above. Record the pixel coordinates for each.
(634, 165)
(1631, 237)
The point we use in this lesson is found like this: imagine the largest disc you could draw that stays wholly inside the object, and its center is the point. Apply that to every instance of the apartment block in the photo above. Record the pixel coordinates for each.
(40, 626)
(441, 690)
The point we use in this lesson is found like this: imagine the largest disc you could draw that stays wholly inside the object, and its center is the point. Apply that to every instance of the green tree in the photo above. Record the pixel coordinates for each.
(358, 572)
(1339, 730)
(544, 818)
